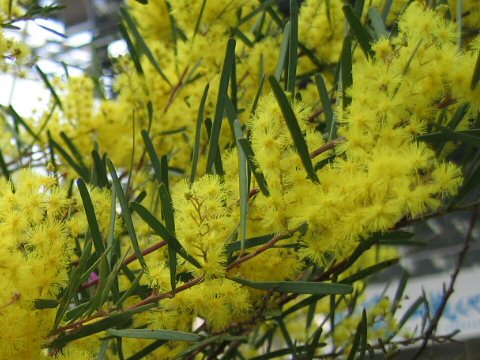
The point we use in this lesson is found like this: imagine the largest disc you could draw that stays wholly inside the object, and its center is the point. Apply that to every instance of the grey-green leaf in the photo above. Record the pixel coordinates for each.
(294, 128)
(299, 287)
(154, 334)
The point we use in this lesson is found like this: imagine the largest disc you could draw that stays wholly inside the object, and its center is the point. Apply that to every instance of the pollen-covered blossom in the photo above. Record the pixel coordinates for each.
(204, 222)
(35, 255)
(386, 174)
(12, 51)
(223, 13)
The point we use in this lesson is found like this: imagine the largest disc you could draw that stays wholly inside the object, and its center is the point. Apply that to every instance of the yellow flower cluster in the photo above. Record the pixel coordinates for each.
(34, 246)
(206, 224)
(11, 51)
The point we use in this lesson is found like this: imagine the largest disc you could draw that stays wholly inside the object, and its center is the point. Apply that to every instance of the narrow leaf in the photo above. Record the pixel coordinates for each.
(19, 121)
(249, 243)
(410, 311)
(294, 128)
(131, 48)
(327, 106)
(346, 70)
(258, 9)
(370, 271)
(257, 95)
(4, 167)
(377, 23)
(131, 289)
(243, 183)
(292, 48)
(127, 217)
(283, 52)
(99, 169)
(470, 137)
(152, 153)
(154, 334)
(209, 340)
(80, 170)
(399, 293)
(167, 211)
(141, 42)
(198, 134)
(73, 149)
(45, 304)
(244, 145)
(358, 30)
(476, 74)
(298, 287)
(49, 86)
(160, 229)
(91, 217)
(220, 106)
(100, 325)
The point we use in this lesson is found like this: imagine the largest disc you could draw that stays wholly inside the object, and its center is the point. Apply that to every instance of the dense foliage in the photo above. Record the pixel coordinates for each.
(251, 169)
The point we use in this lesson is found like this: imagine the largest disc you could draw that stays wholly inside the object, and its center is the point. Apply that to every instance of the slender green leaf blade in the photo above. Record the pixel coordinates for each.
(358, 30)
(283, 52)
(4, 167)
(147, 350)
(141, 42)
(327, 106)
(99, 169)
(161, 230)
(292, 48)
(154, 334)
(152, 153)
(299, 287)
(167, 210)
(370, 271)
(294, 128)
(399, 293)
(243, 185)
(131, 289)
(244, 145)
(463, 137)
(346, 70)
(127, 217)
(198, 134)
(91, 217)
(82, 171)
(220, 106)
(45, 304)
(476, 73)
(410, 311)
(101, 325)
(131, 48)
(49, 86)
(377, 23)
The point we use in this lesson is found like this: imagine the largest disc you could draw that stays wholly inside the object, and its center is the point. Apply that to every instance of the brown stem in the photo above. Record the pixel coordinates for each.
(328, 146)
(149, 300)
(176, 90)
(127, 261)
(260, 250)
(156, 297)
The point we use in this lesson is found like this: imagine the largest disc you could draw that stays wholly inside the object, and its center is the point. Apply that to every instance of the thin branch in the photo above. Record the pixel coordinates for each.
(438, 314)
(328, 146)
(154, 297)
(127, 261)
(261, 249)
